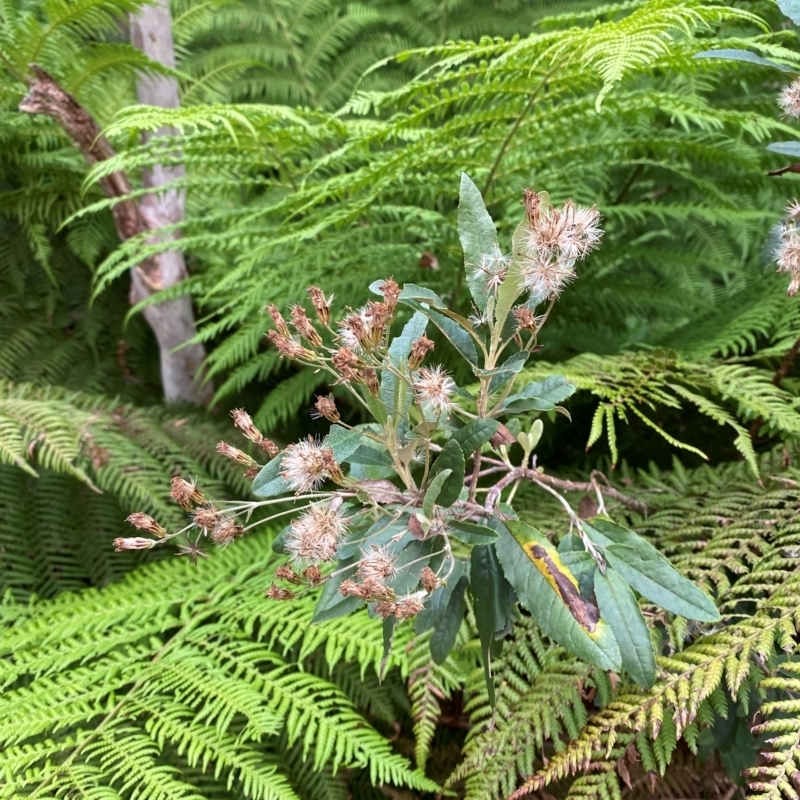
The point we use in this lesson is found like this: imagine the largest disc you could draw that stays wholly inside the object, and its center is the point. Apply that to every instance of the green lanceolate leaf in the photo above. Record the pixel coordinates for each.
(475, 433)
(540, 396)
(343, 443)
(550, 592)
(391, 388)
(433, 491)
(446, 629)
(478, 238)
(451, 458)
(268, 482)
(456, 335)
(649, 572)
(420, 294)
(743, 55)
(472, 533)
(492, 614)
(619, 608)
(370, 456)
(512, 366)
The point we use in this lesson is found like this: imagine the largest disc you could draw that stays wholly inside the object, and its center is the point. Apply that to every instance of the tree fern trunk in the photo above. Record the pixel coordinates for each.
(173, 321)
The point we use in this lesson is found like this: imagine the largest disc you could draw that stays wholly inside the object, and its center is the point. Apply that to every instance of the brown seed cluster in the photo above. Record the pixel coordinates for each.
(185, 494)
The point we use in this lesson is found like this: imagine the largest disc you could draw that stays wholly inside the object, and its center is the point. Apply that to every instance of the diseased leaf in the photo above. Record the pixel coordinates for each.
(478, 237)
(452, 458)
(649, 572)
(549, 591)
(540, 395)
(475, 433)
(446, 630)
(433, 490)
(268, 482)
(619, 608)
(743, 55)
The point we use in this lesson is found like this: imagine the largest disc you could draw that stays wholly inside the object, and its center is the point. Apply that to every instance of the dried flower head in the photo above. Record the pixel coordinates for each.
(290, 348)
(226, 531)
(144, 522)
(313, 574)
(390, 291)
(409, 605)
(322, 304)
(377, 564)
(185, 494)
(526, 319)
(493, 269)
(276, 593)
(787, 253)
(419, 349)
(308, 464)
(428, 579)
(302, 324)
(133, 543)
(244, 422)
(354, 331)
(280, 323)
(315, 535)
(368, 590)
(347, 364)
(789, 100)
(376, 316)
(325, 408)
(206, 517)
(370, 379)
(192, 550)
(239, 456)
(434, 388)
(552, 242)
(288, 574)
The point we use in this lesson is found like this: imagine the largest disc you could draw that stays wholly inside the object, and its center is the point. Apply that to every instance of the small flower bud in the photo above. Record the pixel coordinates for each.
(239, 456)
(268, 446)
(419, 348)
(409, 606)
(184, 493)
(276, 593)
(390, 291)
(133, 543)
(288, 574)
(304, 327)
(325, 407)
(346, 362)
(376, 316)
(289, 348)
(280, 323)
(322, 304)
(526, 319)
(144, 522)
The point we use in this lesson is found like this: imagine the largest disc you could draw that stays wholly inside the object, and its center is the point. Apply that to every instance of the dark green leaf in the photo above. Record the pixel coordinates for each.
(433, 490)
(475, 433)
(268, 482)
(743, 55)
(490, 597)
(455, 333)
(371, 456)
(649, 572)
(542, 585)
(581, 563)
(540, 396)
(472, 533)
(619, 608)
(451, 458)
(785, 148)
(446, 631)
(512, 366)
(380, 532)
(389, 625)
(478, 237)
(331, 604)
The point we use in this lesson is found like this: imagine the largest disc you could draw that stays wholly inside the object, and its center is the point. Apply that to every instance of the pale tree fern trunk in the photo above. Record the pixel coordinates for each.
(173, 321)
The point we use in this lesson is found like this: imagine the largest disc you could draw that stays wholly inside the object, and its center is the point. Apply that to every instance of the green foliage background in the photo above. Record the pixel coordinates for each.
(182, 682)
